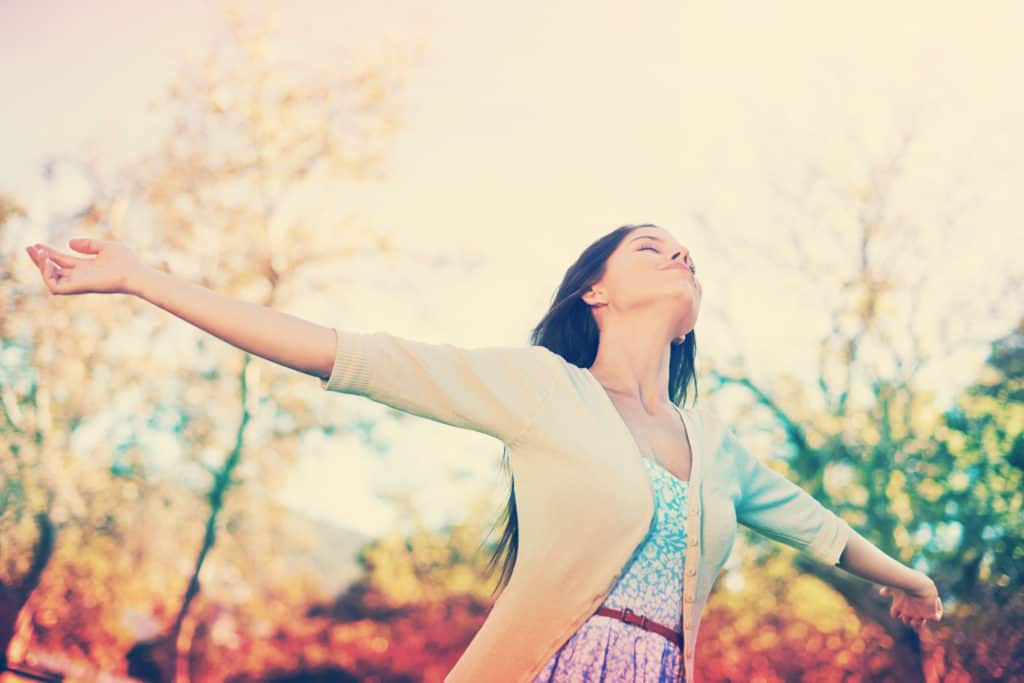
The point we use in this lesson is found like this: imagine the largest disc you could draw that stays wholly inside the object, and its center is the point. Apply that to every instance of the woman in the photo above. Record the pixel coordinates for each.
(624, 505)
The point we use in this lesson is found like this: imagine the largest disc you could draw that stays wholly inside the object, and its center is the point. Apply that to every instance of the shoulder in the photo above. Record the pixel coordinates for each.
(545, 360)
(564, 381)
(538, 358)
(536, 364)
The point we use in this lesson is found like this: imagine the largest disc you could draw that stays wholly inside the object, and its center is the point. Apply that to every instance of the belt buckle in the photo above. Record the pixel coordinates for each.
(638, 619)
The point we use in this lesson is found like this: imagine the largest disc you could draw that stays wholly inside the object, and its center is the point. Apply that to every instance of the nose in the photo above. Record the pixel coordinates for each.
(675, 258)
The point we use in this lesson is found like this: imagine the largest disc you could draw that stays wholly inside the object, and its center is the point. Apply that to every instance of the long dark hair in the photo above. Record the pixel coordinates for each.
(569, 329)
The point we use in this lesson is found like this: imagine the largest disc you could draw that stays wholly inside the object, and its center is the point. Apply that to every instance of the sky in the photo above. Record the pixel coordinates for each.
(534, 127)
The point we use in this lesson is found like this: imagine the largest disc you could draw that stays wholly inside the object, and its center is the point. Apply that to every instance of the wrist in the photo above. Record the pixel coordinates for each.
(140, 282)
(921, 585)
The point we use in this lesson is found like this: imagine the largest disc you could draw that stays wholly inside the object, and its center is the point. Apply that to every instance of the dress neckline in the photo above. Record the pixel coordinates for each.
(636, 447)
(665, 470)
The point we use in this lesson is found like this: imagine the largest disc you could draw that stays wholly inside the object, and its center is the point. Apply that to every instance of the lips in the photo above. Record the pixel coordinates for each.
(679, 265)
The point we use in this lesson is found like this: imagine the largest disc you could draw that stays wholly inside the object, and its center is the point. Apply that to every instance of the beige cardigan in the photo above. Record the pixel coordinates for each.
(583, 495)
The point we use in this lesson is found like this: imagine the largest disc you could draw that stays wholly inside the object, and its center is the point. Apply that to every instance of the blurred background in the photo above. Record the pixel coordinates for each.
(846, 178)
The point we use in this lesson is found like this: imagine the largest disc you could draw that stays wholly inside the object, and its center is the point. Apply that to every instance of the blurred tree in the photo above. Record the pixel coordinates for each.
(966, 505)
(10, 208)
(938, 489)
(220, 193)
(787, 630)
(428, 591)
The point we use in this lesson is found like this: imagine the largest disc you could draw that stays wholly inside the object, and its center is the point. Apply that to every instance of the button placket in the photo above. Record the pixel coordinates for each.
(693, 531)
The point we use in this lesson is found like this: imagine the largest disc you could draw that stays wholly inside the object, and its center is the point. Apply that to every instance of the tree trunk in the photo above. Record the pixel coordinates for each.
(907, 657)
(14, 597)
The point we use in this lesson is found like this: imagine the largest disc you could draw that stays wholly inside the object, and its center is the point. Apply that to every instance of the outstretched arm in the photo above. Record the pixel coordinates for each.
(915, 596)
(115, 269)
(277, 336)
(496, 390)
(776, 507)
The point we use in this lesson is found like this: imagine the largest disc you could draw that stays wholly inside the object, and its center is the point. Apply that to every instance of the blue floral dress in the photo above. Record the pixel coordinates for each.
(608, 649)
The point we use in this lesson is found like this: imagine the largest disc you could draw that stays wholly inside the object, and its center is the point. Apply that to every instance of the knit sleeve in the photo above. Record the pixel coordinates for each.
(777, 508)
(496, 390)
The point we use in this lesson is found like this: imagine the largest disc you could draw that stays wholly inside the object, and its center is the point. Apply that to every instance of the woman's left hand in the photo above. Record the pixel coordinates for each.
(915, 607)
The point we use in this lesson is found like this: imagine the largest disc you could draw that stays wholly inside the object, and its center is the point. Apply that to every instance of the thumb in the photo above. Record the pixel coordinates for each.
(85, 245)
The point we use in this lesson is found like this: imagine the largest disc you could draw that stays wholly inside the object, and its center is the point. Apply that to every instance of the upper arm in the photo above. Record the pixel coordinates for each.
(775, 507)
(496, 390)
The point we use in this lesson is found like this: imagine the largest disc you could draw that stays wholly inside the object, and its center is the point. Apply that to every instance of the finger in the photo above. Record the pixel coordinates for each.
(58, 257)
(86, 245)
(55, 277)
(38, 256)
(49, 273)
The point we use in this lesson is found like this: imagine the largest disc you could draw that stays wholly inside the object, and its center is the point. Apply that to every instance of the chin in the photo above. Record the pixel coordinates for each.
(685, 296)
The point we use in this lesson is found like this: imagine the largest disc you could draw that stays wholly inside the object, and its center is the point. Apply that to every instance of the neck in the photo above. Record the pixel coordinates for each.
(634, 366)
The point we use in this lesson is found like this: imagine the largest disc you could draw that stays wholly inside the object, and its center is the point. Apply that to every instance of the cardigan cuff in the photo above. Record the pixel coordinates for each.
(351, 370)
(830, 542)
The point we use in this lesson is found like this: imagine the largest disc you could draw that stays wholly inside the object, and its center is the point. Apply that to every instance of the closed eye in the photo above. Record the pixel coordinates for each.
(688, 260)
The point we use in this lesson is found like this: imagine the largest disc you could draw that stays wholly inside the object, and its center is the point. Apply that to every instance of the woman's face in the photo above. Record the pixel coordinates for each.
(638, 276)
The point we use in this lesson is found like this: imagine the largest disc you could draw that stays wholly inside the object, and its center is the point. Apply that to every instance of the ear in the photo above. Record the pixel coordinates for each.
(592, 297)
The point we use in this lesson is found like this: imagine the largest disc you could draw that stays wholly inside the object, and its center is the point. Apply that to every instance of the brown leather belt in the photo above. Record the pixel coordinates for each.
(630, 617)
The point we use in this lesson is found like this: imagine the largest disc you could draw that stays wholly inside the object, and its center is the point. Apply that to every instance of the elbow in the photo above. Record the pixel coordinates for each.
(830, 543)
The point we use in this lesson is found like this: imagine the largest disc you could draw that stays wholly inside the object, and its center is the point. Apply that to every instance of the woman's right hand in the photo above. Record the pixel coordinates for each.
(112, 271)
(915, 607)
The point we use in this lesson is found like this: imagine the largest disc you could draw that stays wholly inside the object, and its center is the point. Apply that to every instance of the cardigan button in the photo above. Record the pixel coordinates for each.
(692, 571)
(689, 597)
(689, 653)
